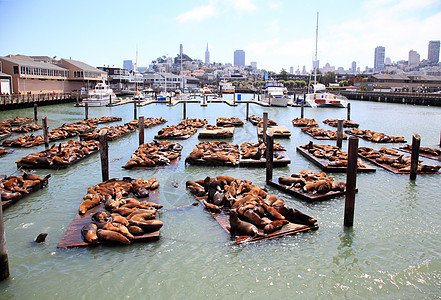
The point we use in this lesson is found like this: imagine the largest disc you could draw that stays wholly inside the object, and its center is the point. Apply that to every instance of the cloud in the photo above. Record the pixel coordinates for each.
(198, 14)
(243, 5)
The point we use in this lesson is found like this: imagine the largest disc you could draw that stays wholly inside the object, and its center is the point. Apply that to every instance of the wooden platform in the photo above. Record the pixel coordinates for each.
(177, 137)
(261, 163)
(278, 131)
(9, 203)
(299, 193)
(367, 139)
(224, 221)
(173, 164)
(323, 163)
(321, 137)
(389, 168)
(109, 138)
(222, 133)
(426, 155)
(73, 237)
(237, 123)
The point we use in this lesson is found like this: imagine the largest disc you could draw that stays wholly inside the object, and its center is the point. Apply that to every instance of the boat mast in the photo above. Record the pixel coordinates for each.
(315, 57)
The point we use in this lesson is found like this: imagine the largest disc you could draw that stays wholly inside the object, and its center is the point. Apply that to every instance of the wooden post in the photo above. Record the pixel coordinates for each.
(248, 111)
(349, 112)
(78, 100)
(184, 110)
(265, 125)
(351, 179)
(35, 112)
(86, 111)
(45, 132)
(339, 133)
(4, 264)
(269, 153)
(302, 107)
(104, 153)
(416, 140)
(135, 111)
(141, 130)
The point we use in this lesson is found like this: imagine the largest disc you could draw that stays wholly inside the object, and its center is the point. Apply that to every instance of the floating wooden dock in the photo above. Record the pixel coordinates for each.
(261, 163)
(323, 163)
(73, 237)
(224, 221)
(278, 131)
(8, 203)
(389, 167)
(426, 155)
(299, 193)
(221, 133)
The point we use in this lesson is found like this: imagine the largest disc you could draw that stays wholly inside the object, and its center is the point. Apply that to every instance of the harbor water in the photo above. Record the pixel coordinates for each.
(393, 250)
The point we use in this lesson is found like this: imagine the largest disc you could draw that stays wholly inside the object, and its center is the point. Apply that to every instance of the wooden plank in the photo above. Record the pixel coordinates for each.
(261, 163)
(224, 221)
(323, 163)
(73, 237)
(299, 193)
(222, 133)
(278, 132)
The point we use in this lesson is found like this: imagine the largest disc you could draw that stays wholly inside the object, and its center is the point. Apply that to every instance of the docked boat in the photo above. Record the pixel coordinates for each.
(321, 98)
(227, 87)
(205, 90)
(138, 96)
(275, 94)
(101, 95)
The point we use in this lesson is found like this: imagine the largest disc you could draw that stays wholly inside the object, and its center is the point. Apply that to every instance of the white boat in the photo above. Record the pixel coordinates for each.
(275, 94)
(227, 87)
(138, 96)
(101, 95)
(321, 98)
(205, 90)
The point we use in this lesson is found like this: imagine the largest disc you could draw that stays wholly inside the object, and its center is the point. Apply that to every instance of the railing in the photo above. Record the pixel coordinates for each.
(34, 98)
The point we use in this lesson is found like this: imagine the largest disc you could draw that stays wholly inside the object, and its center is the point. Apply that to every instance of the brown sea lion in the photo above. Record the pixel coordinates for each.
(146, 204)
(148, 225)
(295, 216)
(89, 202)
(112, 237)
(89, 233)
(274, 226)
(254, 218)
(211, 207)
(239, 227)
(119, 219)
(135, 230)
(272, 212)
(101, 217)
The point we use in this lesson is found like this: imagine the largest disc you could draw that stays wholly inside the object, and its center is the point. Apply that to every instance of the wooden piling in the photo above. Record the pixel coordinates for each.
(302, 107)
(348, 117)
(265, 125)
(35, 112)
(141, 130)
(86, 111)
(351, 179)
(339, 133)
(269, 153)
(4, 264)
(104, 153)
(184, 110)
(135, 111)
(45, 132)
(248, 111)
(416, 140)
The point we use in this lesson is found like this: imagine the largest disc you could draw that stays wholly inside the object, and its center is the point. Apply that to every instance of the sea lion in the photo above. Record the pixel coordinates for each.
(89, 233)
(274, 226)
(101, 217)
(117, 227)
(271, 211)
(239, 227)
(254, 218)
(89, 202)
(41, 238)
(211, 207)
(135, 230)
(295, 216)
(195, 188)
(119, 219)
(147, 204)
(147, 226)
(112, 236)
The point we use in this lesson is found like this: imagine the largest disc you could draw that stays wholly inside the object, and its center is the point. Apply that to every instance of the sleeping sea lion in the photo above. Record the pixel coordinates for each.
(148, 225)
(239, 227)
(112, 236)
(275, 225)
(295, 216)
(89, 202)
(89, 233)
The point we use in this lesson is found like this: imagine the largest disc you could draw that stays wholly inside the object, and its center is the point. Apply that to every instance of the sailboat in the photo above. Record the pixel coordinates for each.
(321, 98)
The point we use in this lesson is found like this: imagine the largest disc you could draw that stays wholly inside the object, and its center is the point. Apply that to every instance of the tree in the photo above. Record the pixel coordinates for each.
(328, 78)
(344, 83)
(283, 74)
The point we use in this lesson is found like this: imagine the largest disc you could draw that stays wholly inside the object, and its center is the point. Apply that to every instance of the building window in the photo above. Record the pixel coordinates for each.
(16, 70)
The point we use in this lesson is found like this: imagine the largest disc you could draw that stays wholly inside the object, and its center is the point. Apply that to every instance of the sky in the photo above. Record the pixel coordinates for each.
(277, 34)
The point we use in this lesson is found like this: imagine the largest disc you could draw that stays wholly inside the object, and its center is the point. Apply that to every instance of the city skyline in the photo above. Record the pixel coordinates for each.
(275, 34)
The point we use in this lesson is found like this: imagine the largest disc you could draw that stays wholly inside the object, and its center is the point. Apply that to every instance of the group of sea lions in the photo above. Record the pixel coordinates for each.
(336, 157)
(233, 121)
(320, 133)
(394, 160)
(154, 154)
(258, 120)
(17, 125)
(346, 123)
(113, 132)
(101, 120)
(15, 122)
(424, 150)
(214, 153)
(256, 151)
(26, 128)
(253, 212)
(59, 156)
(14, 188)
(184, 129)
(214, 131)
(124, 217)
(148, 122)
(377, 137)
(307, 181)
(304, 122)
(63, 132)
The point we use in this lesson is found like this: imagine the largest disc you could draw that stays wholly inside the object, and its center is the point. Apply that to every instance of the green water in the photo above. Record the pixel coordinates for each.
(393, 250)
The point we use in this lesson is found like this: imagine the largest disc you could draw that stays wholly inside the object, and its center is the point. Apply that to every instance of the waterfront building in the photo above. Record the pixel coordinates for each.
(207, 56)
(401, 82)
(433, 53)
(414, 58)
(117, 78)
(239, 58)
(164, 81)
(379, 59)
(128, 65)
(59, 76)
(5, 84)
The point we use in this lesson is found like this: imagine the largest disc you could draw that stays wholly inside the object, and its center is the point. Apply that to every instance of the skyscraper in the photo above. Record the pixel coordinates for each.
(354, 67)
(433, 55)
(239, 58)
(379, 59)
(207, 55)
(414, 58)
(128, 65)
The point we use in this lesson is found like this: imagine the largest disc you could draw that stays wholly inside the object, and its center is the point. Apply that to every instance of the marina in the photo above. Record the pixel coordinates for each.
(374, 258)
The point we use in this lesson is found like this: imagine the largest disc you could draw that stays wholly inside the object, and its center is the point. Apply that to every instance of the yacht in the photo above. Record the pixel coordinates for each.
(321, 98)
(101, 95)
(138, 96)
(227, 87)
(275, 94)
